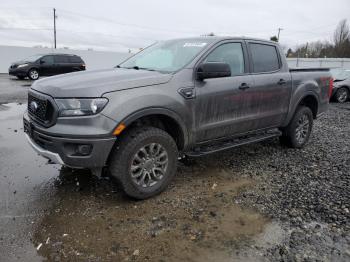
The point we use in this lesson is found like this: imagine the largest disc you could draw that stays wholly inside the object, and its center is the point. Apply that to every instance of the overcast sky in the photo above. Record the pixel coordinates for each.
(120, 25)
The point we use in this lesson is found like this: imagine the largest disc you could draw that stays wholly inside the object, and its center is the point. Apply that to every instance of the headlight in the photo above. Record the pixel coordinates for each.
(23, 65)
(81, 106)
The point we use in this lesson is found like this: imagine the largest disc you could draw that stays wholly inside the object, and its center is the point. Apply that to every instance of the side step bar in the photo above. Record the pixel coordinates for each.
(208, 149)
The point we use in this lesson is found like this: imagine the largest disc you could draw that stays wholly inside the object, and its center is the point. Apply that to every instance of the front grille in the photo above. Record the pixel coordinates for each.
(37, 107)
(40, 109)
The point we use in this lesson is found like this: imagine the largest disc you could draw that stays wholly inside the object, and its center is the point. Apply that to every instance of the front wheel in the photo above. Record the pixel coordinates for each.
(144, 161)
(297, 133)
(342, 95)
(33, 74)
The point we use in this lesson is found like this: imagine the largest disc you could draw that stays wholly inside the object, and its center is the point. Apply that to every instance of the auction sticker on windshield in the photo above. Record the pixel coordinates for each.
(195, 44)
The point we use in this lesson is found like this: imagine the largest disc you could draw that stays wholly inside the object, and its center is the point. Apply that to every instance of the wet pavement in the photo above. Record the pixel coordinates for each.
(13, 89)
(24, 185)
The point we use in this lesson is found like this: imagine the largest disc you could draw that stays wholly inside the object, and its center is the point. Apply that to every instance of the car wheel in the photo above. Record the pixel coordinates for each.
(342, 95)
(144, 161)
(297, 133)
(33, 74)
(20, 77)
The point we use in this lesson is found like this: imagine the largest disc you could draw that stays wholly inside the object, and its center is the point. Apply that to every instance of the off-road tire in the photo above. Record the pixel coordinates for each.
(289, 134)
(123, 153)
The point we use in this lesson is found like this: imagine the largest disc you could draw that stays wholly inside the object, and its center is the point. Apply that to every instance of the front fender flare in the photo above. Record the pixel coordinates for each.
(158, 111)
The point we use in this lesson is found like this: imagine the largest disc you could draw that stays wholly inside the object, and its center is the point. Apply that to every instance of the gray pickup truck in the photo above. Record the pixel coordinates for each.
(189, 97)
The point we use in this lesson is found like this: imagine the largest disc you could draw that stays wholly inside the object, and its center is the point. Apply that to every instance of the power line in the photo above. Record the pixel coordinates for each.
(198, 31)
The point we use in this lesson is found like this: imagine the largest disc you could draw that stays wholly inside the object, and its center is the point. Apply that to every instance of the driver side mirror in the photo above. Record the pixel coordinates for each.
(42, 62)
(213, 70)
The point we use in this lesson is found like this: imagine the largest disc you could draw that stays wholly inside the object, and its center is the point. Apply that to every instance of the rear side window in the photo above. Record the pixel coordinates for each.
(48, 59)
(74, 59)
(264, 58)
(230, 53)
(61, 59)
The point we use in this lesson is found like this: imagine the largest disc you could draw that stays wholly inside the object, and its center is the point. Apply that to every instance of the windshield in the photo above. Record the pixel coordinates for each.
(167, 56)
(340, 74)
(32, 58)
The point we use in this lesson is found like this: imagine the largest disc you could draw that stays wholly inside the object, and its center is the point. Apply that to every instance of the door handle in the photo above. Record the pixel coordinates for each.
(282, 82)
(243, 86)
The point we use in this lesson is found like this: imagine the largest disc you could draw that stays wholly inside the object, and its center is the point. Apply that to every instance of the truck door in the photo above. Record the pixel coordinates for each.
(221, 107)
(269, 96)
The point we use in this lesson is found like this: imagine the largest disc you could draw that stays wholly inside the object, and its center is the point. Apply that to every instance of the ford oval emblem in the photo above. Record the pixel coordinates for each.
(34, 106)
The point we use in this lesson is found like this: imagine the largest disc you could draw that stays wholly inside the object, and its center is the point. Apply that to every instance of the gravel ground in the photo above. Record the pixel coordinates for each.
(307, 191)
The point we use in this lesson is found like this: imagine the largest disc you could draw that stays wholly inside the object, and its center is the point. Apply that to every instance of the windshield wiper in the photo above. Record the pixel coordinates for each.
(137, 68)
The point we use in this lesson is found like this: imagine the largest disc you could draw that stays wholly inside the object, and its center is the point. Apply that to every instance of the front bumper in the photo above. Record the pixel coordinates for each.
(18, 71)
(65, 150)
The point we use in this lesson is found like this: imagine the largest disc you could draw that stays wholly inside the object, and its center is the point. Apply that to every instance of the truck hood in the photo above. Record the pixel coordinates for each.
(96, 83)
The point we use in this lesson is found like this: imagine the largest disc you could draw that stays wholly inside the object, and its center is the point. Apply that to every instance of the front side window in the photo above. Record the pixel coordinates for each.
(264, 58)
(48, 60)
(230, 53)
(167, 56)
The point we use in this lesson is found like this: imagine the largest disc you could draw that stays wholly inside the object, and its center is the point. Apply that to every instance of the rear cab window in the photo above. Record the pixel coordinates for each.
(264, 58)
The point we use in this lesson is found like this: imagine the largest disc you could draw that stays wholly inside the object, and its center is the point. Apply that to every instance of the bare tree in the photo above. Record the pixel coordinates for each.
(342, 39)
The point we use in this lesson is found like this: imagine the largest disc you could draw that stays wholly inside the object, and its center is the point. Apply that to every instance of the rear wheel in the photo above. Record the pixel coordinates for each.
(33, 74)
(144, 161)
(342, 95)
(297, 133)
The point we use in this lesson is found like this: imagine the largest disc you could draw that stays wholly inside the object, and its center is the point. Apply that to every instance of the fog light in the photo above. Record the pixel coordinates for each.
(84, 150)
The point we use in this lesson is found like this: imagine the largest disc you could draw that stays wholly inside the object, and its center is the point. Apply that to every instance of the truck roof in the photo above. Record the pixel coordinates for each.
(221, 38)
(58, 54)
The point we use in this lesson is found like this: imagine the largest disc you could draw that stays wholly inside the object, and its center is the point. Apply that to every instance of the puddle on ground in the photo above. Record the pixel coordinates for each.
(196, 219)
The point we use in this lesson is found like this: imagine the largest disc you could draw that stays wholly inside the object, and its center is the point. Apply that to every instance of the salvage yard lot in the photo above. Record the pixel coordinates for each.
(257, 202)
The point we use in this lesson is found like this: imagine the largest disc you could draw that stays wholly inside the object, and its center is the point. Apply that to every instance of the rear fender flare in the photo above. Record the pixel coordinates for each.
(295, 105)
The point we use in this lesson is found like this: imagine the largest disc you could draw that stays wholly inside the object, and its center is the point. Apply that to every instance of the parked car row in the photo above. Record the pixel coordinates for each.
(46, 65)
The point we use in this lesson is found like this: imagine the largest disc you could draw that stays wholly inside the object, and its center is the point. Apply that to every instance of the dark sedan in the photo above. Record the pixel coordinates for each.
(46, 65)
(341, 87)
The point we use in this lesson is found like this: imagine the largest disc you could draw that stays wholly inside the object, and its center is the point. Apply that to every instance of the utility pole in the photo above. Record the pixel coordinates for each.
(278, 36)
(54, 25)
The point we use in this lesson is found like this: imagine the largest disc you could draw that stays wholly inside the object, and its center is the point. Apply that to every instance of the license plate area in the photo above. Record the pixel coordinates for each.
(28, 128)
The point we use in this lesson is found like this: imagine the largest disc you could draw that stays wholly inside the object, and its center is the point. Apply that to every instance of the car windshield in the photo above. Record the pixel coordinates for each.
(340, 74)
(32, 58)
(168, 56)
